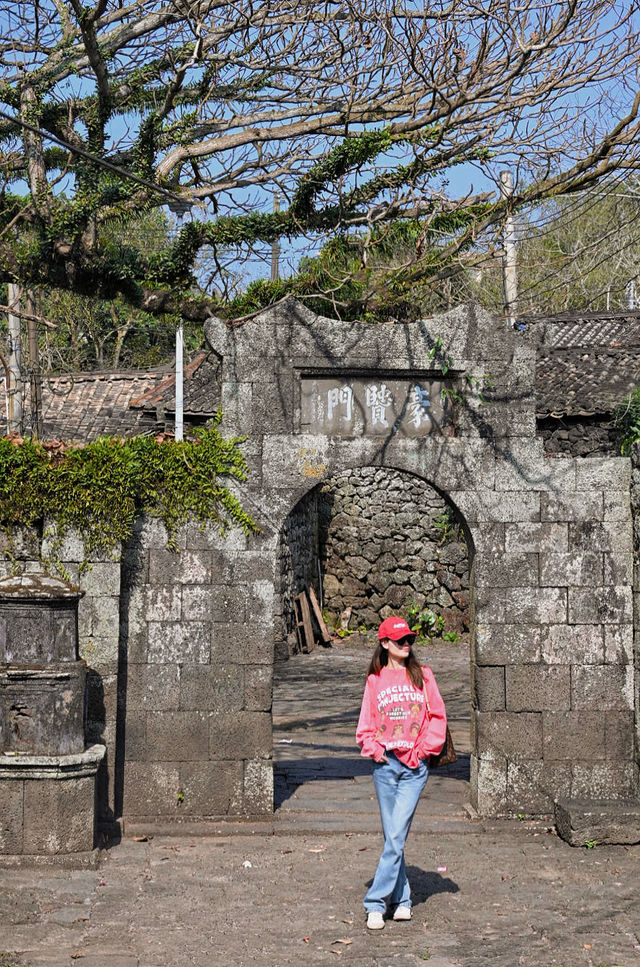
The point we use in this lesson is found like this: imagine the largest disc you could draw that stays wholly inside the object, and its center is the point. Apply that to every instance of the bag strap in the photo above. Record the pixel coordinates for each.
(426, 697)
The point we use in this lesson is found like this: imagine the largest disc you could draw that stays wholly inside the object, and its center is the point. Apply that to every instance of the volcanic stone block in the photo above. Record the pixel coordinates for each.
(573, 645)
(185, 641)
(618, 569)
(489, 606)
(258, 787)
(247, 646)
(572, 507)
(617, 505)
(536, 605)
(603, 473)
(135, 744)
(606, 605)
(618, 644)
(228, 603)
(613, 536)
(506, 644)
(571, 568)
(525, 468)
(177, 736)
(602, 687)
(259, 603)
(163, 603)
(210, 788)
(11, 813)
(487, 684)
(537, 688)
(188, 567)
(240, 735)
(533, 785)
(613, 779)
(534, 536)
(217, 688)
(573, 735)
(151, 789)
(489, 785)
(507, 570)
(59, 815)
(619, 737)
(102, 579)
(509, 734)
(505, 507)
(601, 821)
(258, 688)
(152, 687)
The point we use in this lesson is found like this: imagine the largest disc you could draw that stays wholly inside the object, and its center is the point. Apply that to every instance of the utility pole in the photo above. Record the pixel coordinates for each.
(14, 389)
(34, 365)
(275, 245)
(179, 209)
(509, 272)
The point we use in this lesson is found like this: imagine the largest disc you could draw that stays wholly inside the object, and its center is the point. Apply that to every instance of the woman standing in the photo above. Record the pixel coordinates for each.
(402, 722)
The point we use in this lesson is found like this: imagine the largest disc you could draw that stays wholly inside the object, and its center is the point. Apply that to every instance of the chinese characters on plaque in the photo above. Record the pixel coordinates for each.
(374, 407)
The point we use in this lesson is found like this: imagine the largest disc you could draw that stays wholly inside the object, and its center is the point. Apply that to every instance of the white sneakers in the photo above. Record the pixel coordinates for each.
(402, 913)
(375, 919)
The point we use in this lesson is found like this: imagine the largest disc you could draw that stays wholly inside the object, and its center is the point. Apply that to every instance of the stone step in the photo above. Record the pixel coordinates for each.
(613, 822)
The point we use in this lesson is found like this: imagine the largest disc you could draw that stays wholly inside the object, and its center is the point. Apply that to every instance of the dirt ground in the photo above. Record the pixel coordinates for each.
(288, 891)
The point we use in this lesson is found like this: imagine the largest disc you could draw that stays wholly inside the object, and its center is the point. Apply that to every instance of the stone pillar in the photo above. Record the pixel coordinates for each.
(47, 776)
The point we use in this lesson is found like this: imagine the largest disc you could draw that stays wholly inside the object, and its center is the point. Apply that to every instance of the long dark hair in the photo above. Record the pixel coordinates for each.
(380, 658)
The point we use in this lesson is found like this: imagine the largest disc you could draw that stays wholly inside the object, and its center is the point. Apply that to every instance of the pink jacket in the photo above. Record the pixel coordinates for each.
(394, 717)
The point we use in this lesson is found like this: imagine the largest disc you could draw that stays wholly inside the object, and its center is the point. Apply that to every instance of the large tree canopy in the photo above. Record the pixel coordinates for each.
(355, 113)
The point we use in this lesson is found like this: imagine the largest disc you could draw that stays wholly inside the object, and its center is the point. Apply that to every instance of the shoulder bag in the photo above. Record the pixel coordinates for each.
(448, 754)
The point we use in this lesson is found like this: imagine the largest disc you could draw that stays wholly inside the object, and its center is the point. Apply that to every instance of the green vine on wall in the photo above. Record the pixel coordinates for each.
(99, 489)
(627, 422)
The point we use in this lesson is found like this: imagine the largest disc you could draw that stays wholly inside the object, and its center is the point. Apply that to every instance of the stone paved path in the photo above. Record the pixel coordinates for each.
(318, 767)
(288, 892)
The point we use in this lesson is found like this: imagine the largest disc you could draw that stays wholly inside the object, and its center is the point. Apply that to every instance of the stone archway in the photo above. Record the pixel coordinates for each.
(552, 607)
(409, 551)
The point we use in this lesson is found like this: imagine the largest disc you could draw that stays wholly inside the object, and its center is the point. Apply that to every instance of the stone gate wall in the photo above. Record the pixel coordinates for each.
(388, 542)
(181, 646)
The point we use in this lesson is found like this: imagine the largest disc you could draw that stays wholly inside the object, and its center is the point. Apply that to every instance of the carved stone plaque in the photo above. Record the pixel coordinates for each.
(358, 406)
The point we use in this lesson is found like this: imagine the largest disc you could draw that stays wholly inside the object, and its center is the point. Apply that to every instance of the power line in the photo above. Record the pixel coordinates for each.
(100, 162)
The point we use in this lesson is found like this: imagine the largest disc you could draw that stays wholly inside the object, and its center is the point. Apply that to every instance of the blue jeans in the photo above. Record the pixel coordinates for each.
(398, 790)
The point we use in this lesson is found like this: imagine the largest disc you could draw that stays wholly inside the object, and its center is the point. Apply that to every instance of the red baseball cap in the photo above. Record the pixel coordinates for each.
(394, 628)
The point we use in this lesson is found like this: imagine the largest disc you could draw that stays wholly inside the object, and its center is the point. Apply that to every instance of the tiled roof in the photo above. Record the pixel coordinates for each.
(201, 394)
(82, 406)
(587, 363)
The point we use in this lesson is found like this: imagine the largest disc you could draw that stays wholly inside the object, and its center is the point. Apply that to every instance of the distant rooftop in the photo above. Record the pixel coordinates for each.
(587, 362)
(78, 407)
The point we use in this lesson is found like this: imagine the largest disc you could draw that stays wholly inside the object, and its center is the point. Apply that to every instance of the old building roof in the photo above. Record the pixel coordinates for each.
(587, 362)
(79, 407)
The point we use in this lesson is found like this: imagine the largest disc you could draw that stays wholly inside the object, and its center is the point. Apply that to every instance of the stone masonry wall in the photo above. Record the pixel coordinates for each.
(181, 646)
(195, 675)
(297, 564)
(583, 436)
(551, 603)
(634, 657)
(389, 541)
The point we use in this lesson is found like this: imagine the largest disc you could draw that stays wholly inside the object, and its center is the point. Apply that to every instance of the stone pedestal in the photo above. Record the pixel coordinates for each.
(47, 777)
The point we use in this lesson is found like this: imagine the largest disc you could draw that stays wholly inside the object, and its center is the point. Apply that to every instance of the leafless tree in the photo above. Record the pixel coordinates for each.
(356, 113)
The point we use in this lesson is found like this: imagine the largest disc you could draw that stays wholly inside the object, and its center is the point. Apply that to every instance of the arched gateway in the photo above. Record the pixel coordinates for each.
(449, 400)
